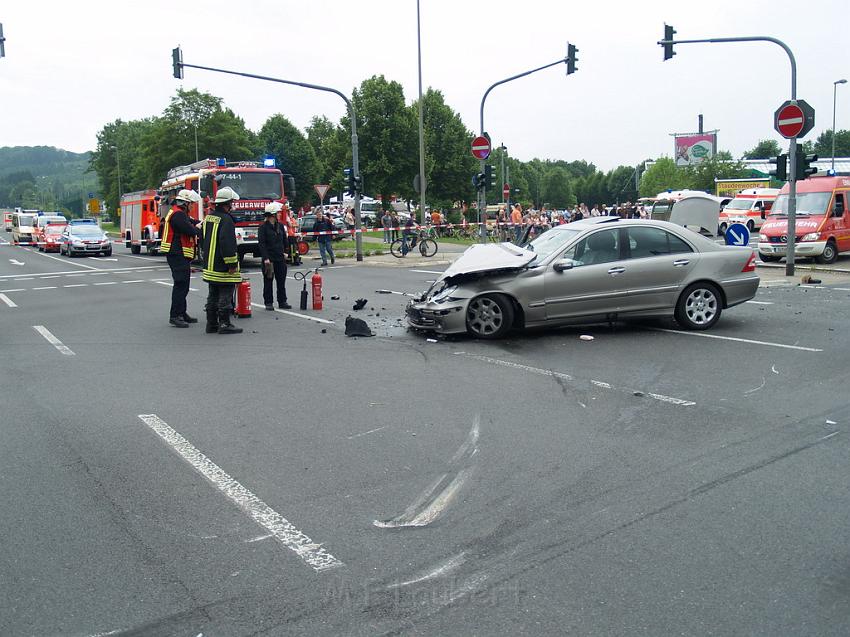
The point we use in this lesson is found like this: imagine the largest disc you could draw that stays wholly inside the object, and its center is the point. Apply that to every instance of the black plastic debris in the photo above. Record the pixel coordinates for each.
(359, 304)
(356, 327)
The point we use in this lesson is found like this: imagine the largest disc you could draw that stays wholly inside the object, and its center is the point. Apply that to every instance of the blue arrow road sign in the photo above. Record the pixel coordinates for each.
(737, 235)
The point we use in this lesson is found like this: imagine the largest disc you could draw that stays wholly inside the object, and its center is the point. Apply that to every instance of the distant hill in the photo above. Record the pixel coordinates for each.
(44, 177)
(42, 161)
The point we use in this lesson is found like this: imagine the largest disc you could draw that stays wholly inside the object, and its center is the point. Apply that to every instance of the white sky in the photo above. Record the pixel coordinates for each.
(71, 67)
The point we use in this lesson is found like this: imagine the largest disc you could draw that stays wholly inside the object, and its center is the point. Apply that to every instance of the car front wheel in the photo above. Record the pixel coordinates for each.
(830, 253)
(489, 316)
(699, 307)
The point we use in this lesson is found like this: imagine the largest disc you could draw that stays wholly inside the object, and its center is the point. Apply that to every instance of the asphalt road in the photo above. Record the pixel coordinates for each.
(292, 480)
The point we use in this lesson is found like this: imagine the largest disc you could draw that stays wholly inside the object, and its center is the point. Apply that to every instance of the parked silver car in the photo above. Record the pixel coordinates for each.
(598, 269)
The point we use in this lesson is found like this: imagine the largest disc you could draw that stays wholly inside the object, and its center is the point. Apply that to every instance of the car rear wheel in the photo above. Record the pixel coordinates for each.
(489, 316)
(830, 253)
(134, 249)
(699, 307)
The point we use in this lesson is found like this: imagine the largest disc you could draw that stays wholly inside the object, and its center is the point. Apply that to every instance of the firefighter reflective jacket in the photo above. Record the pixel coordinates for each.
(178, 233)
(220, 248)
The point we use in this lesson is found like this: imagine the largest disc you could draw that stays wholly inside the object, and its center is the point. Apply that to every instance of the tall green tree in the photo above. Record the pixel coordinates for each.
(121, 143)
(332, 149)
(558, 192)
(171, 140)
(295, 155)
(823, 145)
(764, 149)
(661, 176)
(701, 176)
(387, 133)
(448, 163)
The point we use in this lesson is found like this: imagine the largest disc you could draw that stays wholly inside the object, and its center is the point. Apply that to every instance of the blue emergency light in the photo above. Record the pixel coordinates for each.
(221, 161)
(268, 162)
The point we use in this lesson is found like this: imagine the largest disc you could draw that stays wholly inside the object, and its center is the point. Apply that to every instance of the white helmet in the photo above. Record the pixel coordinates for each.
(226, 194)
(274, 207)
(189, 196)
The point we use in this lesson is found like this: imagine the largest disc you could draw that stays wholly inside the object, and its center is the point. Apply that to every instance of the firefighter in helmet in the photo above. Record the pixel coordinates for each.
(178, 243)
(221, 263)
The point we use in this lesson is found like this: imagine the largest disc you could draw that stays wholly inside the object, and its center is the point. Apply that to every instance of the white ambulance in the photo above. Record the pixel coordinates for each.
(749, 207)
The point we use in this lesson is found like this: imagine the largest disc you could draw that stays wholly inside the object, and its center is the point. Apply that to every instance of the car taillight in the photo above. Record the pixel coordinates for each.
(751, 264)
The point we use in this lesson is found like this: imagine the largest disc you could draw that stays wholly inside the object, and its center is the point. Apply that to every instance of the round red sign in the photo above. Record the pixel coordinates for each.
(790, 120)
(480, 148)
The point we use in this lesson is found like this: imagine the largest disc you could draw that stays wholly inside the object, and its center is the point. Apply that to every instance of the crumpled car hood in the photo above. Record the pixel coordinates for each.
(482, 257)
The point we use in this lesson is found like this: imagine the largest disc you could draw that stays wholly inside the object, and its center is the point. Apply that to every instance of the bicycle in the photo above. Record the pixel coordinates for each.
(427, 246)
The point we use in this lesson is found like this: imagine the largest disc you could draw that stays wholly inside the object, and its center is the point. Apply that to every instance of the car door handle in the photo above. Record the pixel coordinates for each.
(678, 263)
(616, 271)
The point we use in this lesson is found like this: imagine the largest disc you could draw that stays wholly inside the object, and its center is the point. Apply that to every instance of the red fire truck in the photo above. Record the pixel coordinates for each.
(140, 221)
(256, 185)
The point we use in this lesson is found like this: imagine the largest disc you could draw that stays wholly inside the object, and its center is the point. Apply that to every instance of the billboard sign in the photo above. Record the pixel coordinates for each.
(731, 187)
(694, 148)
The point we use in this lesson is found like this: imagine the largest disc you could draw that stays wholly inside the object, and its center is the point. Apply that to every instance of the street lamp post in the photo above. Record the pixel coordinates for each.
(422, 184)
(834, 97)
(504, 150)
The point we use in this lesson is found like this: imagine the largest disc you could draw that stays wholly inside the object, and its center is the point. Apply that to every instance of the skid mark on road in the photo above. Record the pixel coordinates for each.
(311, 553)
(433, 501)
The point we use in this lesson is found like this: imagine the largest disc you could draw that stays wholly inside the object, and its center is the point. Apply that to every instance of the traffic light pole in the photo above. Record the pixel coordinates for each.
(790, 250)
(355, 155)
(482, 192)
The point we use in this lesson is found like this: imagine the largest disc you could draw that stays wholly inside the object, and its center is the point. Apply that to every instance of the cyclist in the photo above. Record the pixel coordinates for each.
(409, 231)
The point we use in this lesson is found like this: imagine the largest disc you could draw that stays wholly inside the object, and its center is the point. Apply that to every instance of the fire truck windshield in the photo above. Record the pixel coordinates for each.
(252, 185)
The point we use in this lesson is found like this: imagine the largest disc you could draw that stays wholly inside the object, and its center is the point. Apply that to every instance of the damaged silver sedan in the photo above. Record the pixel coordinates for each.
(599, 269)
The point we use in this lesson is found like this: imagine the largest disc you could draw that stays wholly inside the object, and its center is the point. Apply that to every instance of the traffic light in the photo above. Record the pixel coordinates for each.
(669, 32)
(489, 176)
(177, 61)
(804, 165)
(571, 58)
(779, 173)
(479, 181)
(351, 183)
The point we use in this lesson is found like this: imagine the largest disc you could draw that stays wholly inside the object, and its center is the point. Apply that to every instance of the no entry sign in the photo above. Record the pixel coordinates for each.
(480, 148)
(506, 191)
(794, 119)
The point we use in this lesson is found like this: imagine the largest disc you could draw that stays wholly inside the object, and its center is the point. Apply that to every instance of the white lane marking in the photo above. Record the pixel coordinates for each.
(8, 301)
(79, 265)
(16, 262)
(736, 339)
(53, 340)
(106, 283)
(761, 302)
(366, 433)
(14, 290)
(134, 281)
(124, 270)
(52, 276)
(428, 271)
(76, 285)
(104, 259)
(304, 316)
(313, 554)
(49, 287)
(842, 289)
(171, 285)
(131, 256)
(548, 372)
(29, 278)
(99, 274)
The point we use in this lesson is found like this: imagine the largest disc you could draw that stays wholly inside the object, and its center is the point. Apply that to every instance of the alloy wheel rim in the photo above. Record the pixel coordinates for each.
(701, 306)
(485, 316)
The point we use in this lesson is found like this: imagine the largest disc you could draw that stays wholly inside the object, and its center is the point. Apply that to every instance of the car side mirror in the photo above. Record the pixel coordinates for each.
(563, 264)
(838, 210)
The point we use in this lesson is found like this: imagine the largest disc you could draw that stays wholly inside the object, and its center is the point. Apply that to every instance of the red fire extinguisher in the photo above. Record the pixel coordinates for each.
(243, 299)
(316, 281)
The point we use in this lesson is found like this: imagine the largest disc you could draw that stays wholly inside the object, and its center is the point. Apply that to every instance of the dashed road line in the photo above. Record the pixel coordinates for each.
(106, 283)
(296, 314)
(171, 285)
(76, 285)
(8, 301)
(15, 290)
(736, 339)
(53, 340)
(49, 287)
(79, 265)
(548, 372)
(313, 554)
(760, 302)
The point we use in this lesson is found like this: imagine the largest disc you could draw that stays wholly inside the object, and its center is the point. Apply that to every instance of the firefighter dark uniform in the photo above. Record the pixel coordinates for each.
(178, 244)
(221, 263)
(272, 241)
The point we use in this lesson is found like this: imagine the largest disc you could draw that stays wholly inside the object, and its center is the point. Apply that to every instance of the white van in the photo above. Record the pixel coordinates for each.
(23, 227)
(749, 207)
